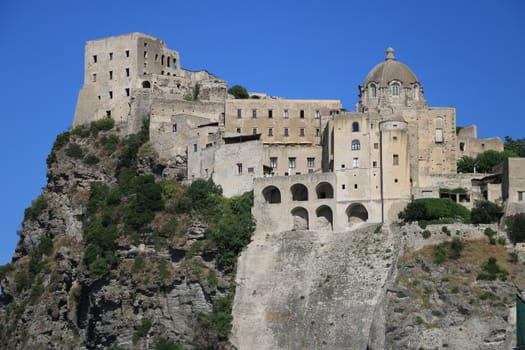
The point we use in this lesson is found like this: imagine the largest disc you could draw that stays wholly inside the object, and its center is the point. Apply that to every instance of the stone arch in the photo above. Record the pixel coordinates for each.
(300, 219)
(272, 194)
(325, 216)
(146, 84)
(299, 192)
(356, 212)
(324, 190)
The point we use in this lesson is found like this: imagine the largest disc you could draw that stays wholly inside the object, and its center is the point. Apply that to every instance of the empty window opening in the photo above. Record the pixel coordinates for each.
(376, 145)
(94, 58)
(273, 162)
(343, 186)
(343, 166)
(356, 213)
(145, 54)
(94, 78)
(156, 57)
(239, 168)
(110, 56)
(254, 113)
(355, 127)
(317, 114)
(374, 164)
(285, 131)
(395, 180)
(254, 131)
(301, 114)
(299, 192)
(162, 60)
(238, 130)
(394, 138)
(272, 195)
(270, 131)
(239, 113)
(324, 190)
(110, 95)
(110, 75)
(270, 113)
(462, 146)
(127, 53)
(324, 216)
(317, 132)
(356, 145)
(300, 219)
(168, 63)
(395, 159)
(355, 186)
(285, 114)
(301, 132)
(108, 113)
(520, 196)
(127, 91)
(146, 84)
(145, 44)
(174, 127)
(194, 147)
(127, 72)
(251, 170)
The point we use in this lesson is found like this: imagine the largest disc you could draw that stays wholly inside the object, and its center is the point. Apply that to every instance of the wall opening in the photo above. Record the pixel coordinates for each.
(299, 192)
(356, 213)
(300, 219)
(324, 216)
(272, 194)
(146, 84)
(324, 190)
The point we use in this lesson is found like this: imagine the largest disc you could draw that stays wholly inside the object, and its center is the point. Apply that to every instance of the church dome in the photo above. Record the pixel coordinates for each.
(389, 70)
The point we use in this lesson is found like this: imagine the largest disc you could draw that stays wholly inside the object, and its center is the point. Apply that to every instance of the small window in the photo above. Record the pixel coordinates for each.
(127, 53)
(270, 131)
(251, 170)
(127, 92)
(317, 114)
(127, 72)
(174, 127)
(239, 113)
(194, 147)
(373, 90)
(292, 162)
(145, 54)
(355, 162)
(94, 78)
(310, 162)
(395, 180)
(110, 75)
(376, 145)
(168, 63)
(343, 186)
(156, 57)
(462, 146)
(355, 127)
(94, 58)
(108, 113)
(395, 89)
(254, 131)
(520, 196)
(239, 168)
(301, 132)
(355, 186)
(356, 145)
(374, 164)
(238, 130)
(394, 138)
(285, 131)
(285, 114)
(439, 135)
(301, 114)
(110, 56)
(254, 113)
(111, 95)
(395, 159)
(317, 132)
(270, 113)
(273, 162)
(162, 60)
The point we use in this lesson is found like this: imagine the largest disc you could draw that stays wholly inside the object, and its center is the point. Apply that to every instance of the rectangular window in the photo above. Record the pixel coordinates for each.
(270, 131)
(251, 170)
(145, 54)
(374, 164)
(301, 114)
(273, 162)
(110, 56)
(94, 58)
(254, 113)
(174, 127)
(127, 53)
(310, 162)
(110, 75)
(291, 162)
(285, 131)
(355, 162)
(520, 196)
(239, 168)
(301, 132)
(376, 145)
(127, 72)
(317, 132)
(127, 91)
(238, 130)
(94, 78)
(239, 113)
(108, 113)
(439, 135)
(254, 131)
(194, 147)
(111, 95)
(317, 114)
(395, 159)
(270, 113)
(285, 114)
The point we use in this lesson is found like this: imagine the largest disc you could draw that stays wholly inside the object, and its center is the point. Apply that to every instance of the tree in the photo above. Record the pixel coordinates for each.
(489, 159)
(239, 92)
(466, 164)
(516, 227)
(486, 212)
(517, 146)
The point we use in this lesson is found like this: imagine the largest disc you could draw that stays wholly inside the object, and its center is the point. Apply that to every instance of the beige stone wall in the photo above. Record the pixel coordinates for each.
(304, 159)
(280, 120)
(514, 180)
(469, 145)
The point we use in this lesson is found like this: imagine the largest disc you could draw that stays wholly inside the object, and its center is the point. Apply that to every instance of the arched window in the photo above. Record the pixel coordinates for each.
(324, 190)
(372, 90)
(439, 130)
(299, 192)
(272, 194)
(146, 84)
(395, 89)
(356, 145)
(355, 127)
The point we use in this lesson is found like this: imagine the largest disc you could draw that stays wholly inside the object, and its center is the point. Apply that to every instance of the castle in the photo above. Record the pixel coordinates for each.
(311, 164)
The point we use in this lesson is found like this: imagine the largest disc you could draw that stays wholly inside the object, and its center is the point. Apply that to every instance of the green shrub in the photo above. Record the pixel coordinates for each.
(38, 206)
(81, 130)
(103, 124)
(486, 212)
(440, 254)
(489, 232)
(378, 229)
(142, 330)
(492, 240)
(433, 209)
(215, 326)
(138, 264)
(91, 159)
(61, 140)
(212, 279)
(426, 234)
(516, 227)
(455, 290)
(513, 257)
(487, 295)
(239, 92)
(456, 247)
(22, 281)
(492, 271)
(502, 241)
(445, 230)
(74, 151)
(163, 270)
(204, 196)
(166, 344)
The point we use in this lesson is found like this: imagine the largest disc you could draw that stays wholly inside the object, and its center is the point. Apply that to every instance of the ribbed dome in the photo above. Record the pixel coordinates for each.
(389, 70)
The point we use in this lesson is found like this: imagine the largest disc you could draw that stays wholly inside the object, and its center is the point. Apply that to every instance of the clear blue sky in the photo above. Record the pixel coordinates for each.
(467, 54)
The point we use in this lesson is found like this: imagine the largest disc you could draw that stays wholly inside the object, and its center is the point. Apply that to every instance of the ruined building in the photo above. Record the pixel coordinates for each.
(311, 163)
